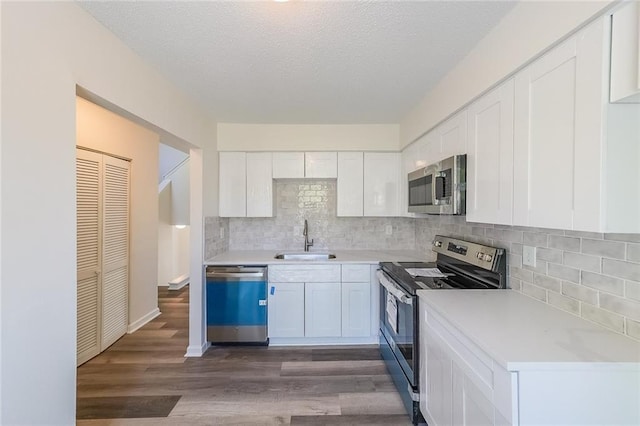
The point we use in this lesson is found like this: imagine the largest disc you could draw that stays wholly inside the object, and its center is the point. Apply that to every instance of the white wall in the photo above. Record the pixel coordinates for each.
(523, 33)
(107, 132)
(169, 159)
(47, 49)
(308, 137)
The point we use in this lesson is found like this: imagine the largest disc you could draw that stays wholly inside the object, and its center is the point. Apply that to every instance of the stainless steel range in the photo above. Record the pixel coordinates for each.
(459, 265)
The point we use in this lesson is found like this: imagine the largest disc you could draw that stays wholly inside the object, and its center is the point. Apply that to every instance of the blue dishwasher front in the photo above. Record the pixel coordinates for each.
(236, 304)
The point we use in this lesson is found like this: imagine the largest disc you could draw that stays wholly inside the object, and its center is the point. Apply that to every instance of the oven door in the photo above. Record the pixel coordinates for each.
(398, 313)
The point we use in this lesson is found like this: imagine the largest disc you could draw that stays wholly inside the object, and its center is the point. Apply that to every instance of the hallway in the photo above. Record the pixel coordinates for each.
(144, 379)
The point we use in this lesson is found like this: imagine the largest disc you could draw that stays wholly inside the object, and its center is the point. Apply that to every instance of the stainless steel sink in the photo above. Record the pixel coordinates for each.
(305, 256)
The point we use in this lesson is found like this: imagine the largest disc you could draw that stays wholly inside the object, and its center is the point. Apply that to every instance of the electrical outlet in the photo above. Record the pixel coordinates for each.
(529, 256)
(388, 230)
(222, 233)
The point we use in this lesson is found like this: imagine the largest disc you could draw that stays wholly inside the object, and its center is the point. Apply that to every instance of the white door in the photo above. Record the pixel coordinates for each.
(286, 310)
(350, 183)
(89, 207)
(558, 135)
(320, 165)
(381, 184)
(102, 251)
(322, 310)
(233, 184)
(115, 250)
(453, 135)
(288, 165)
(490, 157)
(356, 309)
(259, 184)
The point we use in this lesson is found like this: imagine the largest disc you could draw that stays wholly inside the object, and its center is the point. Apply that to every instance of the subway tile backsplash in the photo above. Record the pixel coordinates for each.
(315, 200)
(593, 275)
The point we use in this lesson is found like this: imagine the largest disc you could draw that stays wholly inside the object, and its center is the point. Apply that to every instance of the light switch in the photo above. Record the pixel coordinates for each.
(221, 233)
(529, 256)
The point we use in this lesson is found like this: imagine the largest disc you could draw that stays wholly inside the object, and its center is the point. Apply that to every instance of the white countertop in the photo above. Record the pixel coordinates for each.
(521, 333)
(266, 257)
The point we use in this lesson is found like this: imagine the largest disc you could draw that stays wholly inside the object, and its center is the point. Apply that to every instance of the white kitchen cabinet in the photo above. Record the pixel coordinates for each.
(288, 165)
(477, 369)
(259, 184)
(350, 184)
(381, 184)
(233, 184)
(286, 314)
(558, 133)
(452, 136)
(490, 157)
(322, 309)
(625, 54)
(320, 165)
(356, 300)
(430, 148)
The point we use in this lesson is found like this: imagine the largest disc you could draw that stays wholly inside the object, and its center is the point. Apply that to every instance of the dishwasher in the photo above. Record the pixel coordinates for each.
(236, 308)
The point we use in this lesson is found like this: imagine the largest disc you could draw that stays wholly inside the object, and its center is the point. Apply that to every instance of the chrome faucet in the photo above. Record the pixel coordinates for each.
(305, 232)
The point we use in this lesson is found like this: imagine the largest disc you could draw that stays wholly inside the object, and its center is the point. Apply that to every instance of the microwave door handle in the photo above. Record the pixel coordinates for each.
(392, 288)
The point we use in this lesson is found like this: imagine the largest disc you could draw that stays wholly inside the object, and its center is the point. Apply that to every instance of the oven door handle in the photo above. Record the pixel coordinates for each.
(393, 288)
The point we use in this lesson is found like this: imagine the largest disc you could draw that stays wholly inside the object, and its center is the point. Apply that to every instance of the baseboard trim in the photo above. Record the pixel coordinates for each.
(134, 326)
(197, 351)
(319, 341)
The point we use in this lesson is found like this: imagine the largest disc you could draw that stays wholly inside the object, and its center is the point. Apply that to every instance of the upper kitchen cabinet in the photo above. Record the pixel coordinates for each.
(625, 54)
(381, 184)
(233, 184)
(490, 157)
(288, 165)
(559, 128)
(452, 137)
(259, 184)
(246, 185)
(350, 184)
(320, 164)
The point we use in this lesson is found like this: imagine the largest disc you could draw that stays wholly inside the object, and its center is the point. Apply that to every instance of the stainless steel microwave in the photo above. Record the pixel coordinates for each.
(439, 188)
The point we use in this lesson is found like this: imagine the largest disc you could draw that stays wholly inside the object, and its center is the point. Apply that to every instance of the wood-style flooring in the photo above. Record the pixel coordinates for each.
(144, 379)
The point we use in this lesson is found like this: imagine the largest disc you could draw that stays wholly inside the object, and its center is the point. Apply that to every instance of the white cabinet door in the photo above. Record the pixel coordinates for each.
(439, 386)
(490, 157)
(259, 184)
(286, 310)
(320, 164)
(288, 165)
(625, 54)
(350, 183)
(381, 184)
(558, 135)
(233, 184)
(430, 148)
(356, 309)
(322, 310)
(452, 135)
(470, 406)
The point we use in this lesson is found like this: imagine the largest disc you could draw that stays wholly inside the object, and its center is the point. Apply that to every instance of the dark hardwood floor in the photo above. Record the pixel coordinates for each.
(144, 379)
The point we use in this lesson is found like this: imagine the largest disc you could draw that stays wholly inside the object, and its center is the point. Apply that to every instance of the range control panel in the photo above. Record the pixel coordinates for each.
(476, 254)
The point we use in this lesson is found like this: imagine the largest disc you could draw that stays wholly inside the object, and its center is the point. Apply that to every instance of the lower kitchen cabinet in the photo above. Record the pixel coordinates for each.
(286, 310)
(477, 368)
(322, 317)
(321, 304)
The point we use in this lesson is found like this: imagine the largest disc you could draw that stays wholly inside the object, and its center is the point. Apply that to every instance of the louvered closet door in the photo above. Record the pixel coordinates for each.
(89, 206)
(115, 248)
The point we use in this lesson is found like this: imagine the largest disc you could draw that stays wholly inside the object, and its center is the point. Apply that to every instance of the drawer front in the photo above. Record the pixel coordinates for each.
(356, 273)
(304, 273)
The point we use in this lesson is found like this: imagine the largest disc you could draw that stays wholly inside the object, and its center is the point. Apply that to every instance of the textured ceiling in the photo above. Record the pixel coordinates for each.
(302, 62)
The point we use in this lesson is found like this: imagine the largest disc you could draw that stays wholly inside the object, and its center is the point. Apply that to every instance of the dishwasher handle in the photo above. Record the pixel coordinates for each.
(236, 272)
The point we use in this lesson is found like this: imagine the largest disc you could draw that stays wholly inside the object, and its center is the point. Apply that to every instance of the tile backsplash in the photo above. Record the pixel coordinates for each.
(315, 200)
(593, 275)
